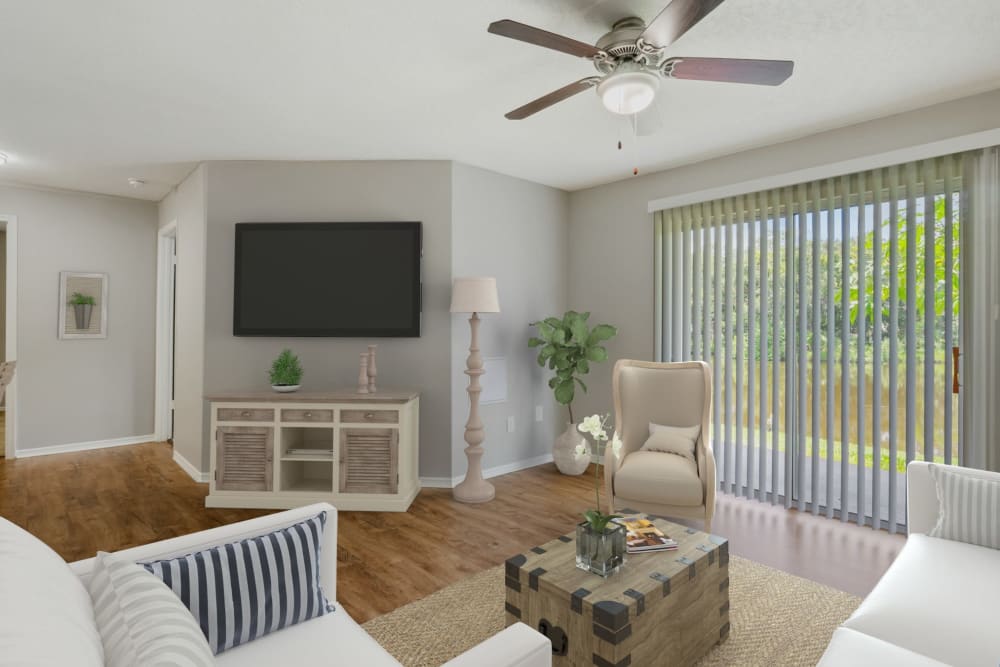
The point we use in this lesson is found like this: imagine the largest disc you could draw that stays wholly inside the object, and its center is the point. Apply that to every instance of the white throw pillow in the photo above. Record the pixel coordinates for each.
(962, 498)
(141, 621)
(679, 440)
(46, 618)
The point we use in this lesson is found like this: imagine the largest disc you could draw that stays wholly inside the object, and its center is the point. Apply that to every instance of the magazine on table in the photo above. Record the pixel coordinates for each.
(642, 536)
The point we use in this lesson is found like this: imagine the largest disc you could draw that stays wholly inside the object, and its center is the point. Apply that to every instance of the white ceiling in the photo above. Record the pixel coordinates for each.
(94, 92)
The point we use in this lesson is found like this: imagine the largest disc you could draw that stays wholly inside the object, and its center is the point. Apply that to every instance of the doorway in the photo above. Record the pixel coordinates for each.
(8, 326)
(166, 270)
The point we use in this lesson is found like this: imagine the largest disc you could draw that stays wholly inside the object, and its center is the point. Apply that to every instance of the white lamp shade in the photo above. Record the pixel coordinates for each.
(474, 295)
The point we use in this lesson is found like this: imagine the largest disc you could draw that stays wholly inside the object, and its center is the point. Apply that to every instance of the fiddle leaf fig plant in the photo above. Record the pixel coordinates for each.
(568, 346)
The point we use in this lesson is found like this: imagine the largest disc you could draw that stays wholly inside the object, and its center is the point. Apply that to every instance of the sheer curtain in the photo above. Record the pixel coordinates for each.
(981, 287)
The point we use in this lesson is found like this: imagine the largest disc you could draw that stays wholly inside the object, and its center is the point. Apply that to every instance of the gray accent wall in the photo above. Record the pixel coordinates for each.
(185, 206)
(74, 391)
(336, 191)
(611, 236)
(517, 231)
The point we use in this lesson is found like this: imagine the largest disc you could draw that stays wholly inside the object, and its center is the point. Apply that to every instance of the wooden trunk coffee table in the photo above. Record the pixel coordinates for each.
(660, 608)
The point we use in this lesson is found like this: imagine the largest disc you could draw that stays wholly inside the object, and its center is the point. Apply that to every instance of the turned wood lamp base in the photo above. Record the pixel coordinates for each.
(474, 489)
(470, 491)
(474, 295)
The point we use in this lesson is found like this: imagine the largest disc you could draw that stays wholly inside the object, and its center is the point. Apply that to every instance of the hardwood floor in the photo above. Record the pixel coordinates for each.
(116, 498)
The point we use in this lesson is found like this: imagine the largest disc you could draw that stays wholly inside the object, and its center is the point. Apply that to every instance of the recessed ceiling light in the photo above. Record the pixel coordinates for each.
(3, 159)
(136, 182)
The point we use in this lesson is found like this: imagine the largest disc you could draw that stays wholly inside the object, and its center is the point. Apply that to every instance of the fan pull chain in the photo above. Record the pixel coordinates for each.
(635, 139)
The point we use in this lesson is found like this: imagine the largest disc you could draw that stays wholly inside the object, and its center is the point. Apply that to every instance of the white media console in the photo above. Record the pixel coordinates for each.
(278, 451)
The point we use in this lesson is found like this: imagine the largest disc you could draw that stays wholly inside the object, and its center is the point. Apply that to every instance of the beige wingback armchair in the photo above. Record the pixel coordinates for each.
(671, 394)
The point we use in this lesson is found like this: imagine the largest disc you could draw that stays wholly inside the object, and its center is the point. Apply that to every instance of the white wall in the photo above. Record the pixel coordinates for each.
(336, 191)
(611, 233)
(514, 230)
(73, 391)
(185, 205)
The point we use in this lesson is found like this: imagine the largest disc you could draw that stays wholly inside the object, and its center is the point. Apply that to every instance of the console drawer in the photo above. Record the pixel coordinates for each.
(369, 416)
(307, 415)
(246, 415)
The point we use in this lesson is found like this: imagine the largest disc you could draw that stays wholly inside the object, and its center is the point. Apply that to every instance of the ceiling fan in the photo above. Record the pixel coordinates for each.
(631, 59)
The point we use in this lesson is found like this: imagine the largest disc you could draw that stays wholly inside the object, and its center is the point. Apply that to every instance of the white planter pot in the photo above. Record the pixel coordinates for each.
(285, 388)
(564, 452)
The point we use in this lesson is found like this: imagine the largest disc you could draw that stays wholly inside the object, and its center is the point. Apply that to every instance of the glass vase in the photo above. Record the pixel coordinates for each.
(600, 553)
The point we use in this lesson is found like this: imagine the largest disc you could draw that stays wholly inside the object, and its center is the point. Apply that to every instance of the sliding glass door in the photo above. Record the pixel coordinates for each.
(828, 312)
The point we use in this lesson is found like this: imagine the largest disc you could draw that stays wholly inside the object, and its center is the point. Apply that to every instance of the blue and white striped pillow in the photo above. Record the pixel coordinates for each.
(241, 591)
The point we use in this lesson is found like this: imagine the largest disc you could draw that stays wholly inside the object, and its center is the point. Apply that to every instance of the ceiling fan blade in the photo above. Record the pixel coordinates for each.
(545, 101)
(539, 37)
(676, 19)
(731, 70)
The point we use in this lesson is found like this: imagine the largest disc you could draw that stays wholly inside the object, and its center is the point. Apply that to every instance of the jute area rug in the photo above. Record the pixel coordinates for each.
(777, 619)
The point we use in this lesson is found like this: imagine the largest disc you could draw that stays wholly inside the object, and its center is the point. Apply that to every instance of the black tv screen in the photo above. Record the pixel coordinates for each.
(327, 279)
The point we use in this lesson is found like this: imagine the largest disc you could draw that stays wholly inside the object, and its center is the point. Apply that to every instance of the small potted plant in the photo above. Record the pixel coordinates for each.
(600, 541)
(286, 372)
(568, 347)
(83, 308)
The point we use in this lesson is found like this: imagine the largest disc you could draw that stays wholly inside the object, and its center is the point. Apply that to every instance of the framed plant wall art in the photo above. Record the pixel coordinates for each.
(83, 305)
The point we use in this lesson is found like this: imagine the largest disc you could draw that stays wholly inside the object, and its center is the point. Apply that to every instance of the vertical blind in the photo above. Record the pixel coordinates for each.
(828, 312)
(981, 309)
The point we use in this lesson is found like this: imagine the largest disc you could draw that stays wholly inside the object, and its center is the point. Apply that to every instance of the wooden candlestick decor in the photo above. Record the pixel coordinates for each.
(372, 370)
(363, 374)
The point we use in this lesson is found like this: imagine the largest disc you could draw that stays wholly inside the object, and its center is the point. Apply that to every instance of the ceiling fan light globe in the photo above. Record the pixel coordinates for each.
(627, 93)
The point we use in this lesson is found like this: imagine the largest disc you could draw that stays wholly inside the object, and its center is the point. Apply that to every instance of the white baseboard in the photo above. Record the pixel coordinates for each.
(83, 446)
(495, 471)
(190, 469)
(436, 482)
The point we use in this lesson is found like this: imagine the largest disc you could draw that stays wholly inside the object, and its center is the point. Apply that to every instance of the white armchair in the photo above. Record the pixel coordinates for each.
(672, 394)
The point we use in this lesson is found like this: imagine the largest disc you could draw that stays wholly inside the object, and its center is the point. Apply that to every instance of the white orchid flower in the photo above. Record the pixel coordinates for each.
(601, 435)
(581, 449)
(591, 425)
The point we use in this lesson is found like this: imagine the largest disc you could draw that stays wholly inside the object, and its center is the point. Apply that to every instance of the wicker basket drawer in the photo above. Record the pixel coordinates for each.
(307, 415)
(246, 415)
(369, 416)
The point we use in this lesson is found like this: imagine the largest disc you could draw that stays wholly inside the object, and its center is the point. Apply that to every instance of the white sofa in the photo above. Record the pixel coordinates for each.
(939, 602)
(333, 639)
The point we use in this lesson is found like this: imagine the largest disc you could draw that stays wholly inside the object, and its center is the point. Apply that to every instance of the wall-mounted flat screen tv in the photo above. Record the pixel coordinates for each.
(335, 279)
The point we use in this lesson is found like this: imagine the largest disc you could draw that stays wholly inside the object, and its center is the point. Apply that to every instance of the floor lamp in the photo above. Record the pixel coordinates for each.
(474, 295)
